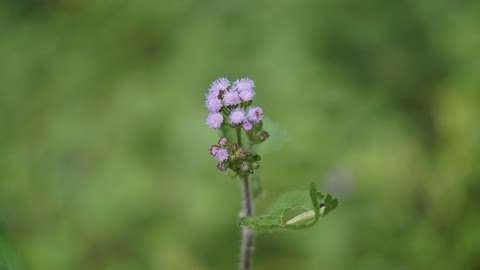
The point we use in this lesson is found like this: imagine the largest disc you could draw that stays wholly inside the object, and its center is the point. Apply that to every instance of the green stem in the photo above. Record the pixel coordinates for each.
(246, 249)
(239, 136)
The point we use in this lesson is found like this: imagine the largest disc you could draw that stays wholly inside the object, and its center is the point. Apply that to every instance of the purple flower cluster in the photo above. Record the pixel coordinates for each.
(230, 105)
(232, 102)
(221, 153)
(231, 155)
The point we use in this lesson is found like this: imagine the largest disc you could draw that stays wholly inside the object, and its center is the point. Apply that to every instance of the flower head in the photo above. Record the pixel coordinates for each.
(245, 88)
(231, 104)
(213, 103)
(218, 85)
(231, 98)
(255, 114)
(247, 126)
(243, 84)
(221, 154)
(237, 116)
(215, 120)
(213, 150)
(247, 95)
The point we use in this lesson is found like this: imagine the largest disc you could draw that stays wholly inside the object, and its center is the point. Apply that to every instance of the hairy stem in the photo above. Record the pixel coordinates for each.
(239, 136)
(246, 249)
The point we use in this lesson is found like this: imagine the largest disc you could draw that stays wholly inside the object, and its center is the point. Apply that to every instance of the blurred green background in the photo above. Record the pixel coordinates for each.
(103, 142)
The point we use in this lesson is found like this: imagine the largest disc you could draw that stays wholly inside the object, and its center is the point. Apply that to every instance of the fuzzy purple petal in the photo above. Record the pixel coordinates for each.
(215, 120)
(247, 95)
(247, 126)
(213, 104)
(255, 114)
(237, 116)
(218, 85)
(231, 98)
(221, 154)
(243, 84)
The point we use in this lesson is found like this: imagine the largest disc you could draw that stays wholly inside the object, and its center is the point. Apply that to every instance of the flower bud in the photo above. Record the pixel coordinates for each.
(262, 135)
(244, 167)
(223, 141)
(240, 153)
(213, 150)
(255, 165)
(222, 166)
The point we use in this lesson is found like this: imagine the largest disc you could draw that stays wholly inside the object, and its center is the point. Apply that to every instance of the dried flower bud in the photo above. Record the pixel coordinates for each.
(222, 166)
(244, 167)
(262, 135)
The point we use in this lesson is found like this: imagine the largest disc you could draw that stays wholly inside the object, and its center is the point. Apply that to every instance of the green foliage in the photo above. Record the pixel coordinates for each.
(294, 210)
(8, 260)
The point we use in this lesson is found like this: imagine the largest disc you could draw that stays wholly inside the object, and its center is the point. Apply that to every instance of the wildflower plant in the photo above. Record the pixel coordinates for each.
(232, 112)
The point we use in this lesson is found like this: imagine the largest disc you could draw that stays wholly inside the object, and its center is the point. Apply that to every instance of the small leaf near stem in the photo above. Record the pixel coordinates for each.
(294, 210)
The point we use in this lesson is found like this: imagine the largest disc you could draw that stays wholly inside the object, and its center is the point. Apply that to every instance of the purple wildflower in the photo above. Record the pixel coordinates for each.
(237, 116)
(218, 85)
(221, 154)
(245, 88)
(247, 126)
(213, 150)
(213, 104)
(255, 114)
(215, 120)
(231, 98)
(243, 84)
(247, 95)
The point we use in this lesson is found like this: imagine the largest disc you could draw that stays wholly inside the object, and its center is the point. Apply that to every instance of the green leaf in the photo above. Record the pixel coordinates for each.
(293, 210)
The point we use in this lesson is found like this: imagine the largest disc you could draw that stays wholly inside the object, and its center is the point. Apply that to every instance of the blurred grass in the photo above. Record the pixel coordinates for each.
(103, 160)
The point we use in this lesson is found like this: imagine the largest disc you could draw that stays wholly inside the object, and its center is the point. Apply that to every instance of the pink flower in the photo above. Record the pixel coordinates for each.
(255, 114)
(215, 120)
(245, 88)
(247, 126)
(237, 116)
(218, 85)
(231, 98)
(213, 103)
(221, 154)
(214, 150)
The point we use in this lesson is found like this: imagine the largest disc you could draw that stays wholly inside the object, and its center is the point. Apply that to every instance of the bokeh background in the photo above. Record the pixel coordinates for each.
(103, 142)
